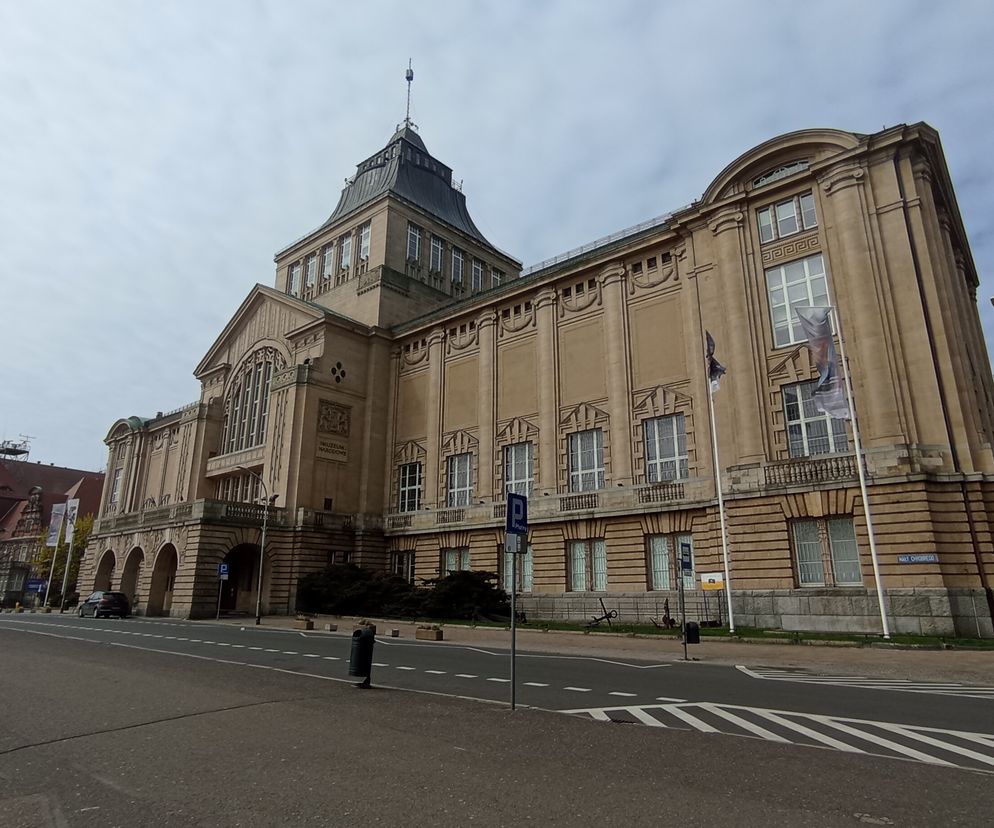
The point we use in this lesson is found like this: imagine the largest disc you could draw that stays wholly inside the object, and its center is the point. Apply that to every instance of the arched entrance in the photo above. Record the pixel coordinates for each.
(105, 572)
(130, 575)
(238, 593)
(160, 592)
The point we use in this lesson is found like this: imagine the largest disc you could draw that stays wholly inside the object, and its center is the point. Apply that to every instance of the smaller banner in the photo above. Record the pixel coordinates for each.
(72, 512)
(712, 580)
(55, 524)
(714, 368)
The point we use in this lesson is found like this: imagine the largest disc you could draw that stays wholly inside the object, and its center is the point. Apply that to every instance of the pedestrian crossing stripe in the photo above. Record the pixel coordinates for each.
(866, 683)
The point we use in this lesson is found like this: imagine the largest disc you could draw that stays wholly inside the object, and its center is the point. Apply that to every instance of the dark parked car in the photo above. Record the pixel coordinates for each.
(106, 603)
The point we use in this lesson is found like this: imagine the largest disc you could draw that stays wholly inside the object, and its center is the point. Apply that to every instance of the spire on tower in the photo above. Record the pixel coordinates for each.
(409, 75)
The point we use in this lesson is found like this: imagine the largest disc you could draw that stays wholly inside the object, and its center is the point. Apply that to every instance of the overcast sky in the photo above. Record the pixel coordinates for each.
(155, 155)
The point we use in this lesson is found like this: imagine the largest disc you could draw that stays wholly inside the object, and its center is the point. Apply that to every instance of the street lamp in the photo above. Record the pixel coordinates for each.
(262, 551)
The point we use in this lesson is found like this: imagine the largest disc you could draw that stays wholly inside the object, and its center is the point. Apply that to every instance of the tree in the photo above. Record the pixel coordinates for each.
(43, 559)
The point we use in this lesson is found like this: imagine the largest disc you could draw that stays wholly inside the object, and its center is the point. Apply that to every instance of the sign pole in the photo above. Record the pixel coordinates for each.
(683, 617)
(65, 579)
(514, 616)
(515, 533)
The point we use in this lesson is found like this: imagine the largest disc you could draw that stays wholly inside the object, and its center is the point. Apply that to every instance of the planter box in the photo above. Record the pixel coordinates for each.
(303, 624)
(331, 627)
(428, 635)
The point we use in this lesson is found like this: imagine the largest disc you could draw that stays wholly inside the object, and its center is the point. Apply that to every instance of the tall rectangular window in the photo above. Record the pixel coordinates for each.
(809, 431)
(824, 547)
(455, 560)
(435, 259)
(327, 262)
(665, 448)
(518, 468)
(792, 285)
(588, 565)
(460, 475)
(659, 562)
(586, 460)
(410, 487)
(115, 488)
(457, 261)
(345, 252)
(364, 233)
(413, 243)
(312, 270)
(477, 274)
(785, 218)
(293, 281)
(496, 277)
(402, 564)
(525, 570)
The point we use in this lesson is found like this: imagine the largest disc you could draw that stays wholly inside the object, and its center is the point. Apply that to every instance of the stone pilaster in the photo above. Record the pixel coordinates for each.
(389, 470)
(613, 284)
(486, 329)
(548, 391)
(436, 389)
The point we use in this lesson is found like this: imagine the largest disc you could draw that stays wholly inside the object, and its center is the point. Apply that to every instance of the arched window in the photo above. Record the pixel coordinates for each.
(246, 408)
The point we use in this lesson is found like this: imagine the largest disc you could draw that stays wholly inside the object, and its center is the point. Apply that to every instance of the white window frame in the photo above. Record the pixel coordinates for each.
(586, 565)
(823, 547)
(810, 432)
(526, 570)
(454, 559)
(665, 441)
(799, 283)
(586, 460)
(293, 280)
(402, 564)
(413, 242)
(496, 277)
(460, 479)
(436, 252)
(660, 558)
(115, 486)
(327, 262)
(364, 235)
(345, 252)
(787, 218)
(519, 468)
(246, 409)
(477, 274)
(311, 271)
(409, 487)
(457, 266)
(689, 578)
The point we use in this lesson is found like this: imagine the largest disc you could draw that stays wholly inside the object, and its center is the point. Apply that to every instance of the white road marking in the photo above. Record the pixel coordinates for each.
(380, 664)
(331, 658)
(255, 648)
(501, 680)
(738, 721)
(783, 721)
(625, 695)
(436, 672)
(290, 652)
(578, 689)
(880, 740)
(271, 651)
(669, 699)
(911, 733)
(535, 684)
(693, 721)
(464, 675)
(312, 655)
(405, 668)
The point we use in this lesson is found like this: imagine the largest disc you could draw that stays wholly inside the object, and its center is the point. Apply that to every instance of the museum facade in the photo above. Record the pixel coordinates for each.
(403, 373)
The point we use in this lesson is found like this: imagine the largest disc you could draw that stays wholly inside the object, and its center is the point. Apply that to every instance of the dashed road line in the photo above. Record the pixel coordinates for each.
(578, 689)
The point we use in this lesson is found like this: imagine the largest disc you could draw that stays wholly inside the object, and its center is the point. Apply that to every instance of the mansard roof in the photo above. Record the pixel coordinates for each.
(404, 168)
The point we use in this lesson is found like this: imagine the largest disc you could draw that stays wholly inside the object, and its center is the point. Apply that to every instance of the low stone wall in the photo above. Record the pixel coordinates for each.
(918, 611)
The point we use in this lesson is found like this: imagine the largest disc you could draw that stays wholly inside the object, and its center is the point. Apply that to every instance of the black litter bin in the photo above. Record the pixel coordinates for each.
(693, 632)
(361, 657)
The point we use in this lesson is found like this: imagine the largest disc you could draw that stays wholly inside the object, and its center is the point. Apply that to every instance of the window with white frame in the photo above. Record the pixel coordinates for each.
(518, 468)
(455, 560)
(402, 564)
(460, 478)
(809, 431)
(413, 243)
(795, 284)
(496, 277)
(435, 254)
(115, 488)
(684, 543)
(826, 547)
(525, 570)
(410, 487)
(345, 252)
(457, 262)
(659, 562)
(477, 274)
(312, 271)
(785, 218)
(293, 280)
(586, 460)
(327, 262)
(665, 448)
(364, 233)
(246, 406)
(587, 565)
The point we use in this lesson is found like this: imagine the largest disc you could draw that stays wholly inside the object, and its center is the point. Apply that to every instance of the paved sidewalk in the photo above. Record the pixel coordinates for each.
(966, 666)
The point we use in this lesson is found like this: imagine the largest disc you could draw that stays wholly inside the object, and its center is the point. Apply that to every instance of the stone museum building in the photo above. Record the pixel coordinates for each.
(402, 373)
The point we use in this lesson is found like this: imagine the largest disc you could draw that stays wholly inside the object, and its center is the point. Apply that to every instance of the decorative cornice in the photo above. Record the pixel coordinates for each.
(840, 178)
(728, 220)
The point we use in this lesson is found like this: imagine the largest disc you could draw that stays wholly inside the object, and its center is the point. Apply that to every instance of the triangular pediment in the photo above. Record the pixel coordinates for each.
(581, 417)
(658, 401)
(265, 317)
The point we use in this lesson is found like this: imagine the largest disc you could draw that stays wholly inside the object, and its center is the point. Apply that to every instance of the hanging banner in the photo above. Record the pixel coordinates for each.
(830, 393)
(55, 524)
(72, 512)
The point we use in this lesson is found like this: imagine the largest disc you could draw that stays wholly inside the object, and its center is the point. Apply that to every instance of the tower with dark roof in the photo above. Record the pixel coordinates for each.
(400, 242)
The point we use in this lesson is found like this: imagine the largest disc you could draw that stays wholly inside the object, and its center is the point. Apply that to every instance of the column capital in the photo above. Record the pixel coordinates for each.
(841, 178)
(486, 319)
(546, 297)
(435, 337)
(730, 219)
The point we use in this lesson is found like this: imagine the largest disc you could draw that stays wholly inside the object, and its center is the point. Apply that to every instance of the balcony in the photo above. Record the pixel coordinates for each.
(210, 511)
(808, 471)
(225, 463)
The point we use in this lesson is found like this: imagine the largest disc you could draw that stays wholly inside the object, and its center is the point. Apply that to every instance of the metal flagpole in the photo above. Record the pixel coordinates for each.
(721, 508)
(862, 476)
(51, 572)
(65, 579)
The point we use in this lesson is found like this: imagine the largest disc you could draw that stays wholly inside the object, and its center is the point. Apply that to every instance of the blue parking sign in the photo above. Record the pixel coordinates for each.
(517, 514)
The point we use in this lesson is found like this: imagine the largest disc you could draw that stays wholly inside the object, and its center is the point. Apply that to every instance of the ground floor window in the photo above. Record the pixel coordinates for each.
(524, 570)
(826, 553)
(587, 565)
(664, 553)
(454, 560)
(402, 564)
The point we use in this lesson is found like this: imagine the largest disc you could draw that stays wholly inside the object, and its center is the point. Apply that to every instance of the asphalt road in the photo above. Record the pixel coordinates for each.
(146, 722)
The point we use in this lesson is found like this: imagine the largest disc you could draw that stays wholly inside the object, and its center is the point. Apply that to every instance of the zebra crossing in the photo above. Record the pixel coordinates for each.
(930, 745)
(866, 683)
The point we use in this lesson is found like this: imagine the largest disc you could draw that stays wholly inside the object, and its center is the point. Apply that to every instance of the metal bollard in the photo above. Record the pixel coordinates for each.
(361, 657)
